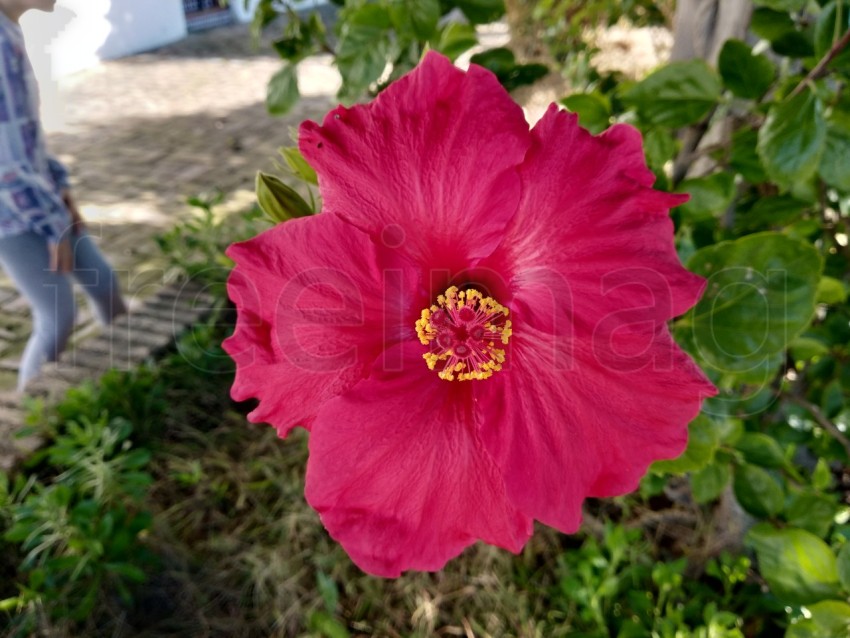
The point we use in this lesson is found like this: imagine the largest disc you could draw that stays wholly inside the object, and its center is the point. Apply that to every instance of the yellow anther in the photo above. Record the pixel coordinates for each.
(463, 344)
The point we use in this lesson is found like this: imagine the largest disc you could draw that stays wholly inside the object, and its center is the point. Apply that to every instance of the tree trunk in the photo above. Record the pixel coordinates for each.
(700, 27)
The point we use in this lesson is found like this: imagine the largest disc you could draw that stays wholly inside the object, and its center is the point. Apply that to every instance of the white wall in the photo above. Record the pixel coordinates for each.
(81, 32)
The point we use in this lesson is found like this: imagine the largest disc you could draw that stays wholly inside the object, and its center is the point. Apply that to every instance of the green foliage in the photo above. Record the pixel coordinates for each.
(195, 247)
(746, 75)
(77, 529)
(760, 295)
(676, 95)
(799, 567)
(761, 143)
(377, 41)
(791, 142)
(503, 64)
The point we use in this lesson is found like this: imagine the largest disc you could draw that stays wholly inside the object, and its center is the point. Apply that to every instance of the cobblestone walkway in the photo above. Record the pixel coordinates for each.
(142, 134)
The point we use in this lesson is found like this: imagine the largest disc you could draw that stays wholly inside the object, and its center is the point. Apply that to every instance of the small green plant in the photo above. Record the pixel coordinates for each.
(77, 529)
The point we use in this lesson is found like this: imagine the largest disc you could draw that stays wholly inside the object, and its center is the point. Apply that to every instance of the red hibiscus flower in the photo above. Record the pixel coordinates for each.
(474, 328)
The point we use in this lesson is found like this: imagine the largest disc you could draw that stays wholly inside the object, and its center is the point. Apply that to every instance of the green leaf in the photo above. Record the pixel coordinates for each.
(298, 165)
(799, 567)
(703, 439)
(364, 47)
(827, 619)
(812, 512)
(832, 398)
(760, 449)
(326, 626)
(279, 201)
(792, 140)
(329, 591)
(831, 291)
(481, 11)
(746, 75)
(844, 566)
(659, 146)
(676, 95)
(833, 22)
(806, 349)
(709, 482)
(757, 491)
(710, 196)
(772, 211)
(502, 63)
(836, 153)
(420, 16)
(771, 25)
(455, 38)
(760, 295)
(744, 159)
(822, 476)
(282, 91)
(594, 112)
(782, 5)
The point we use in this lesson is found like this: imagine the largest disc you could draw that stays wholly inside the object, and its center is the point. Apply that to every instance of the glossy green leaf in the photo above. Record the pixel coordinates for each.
(363, 48)
(455, 38)
(773, 211)
(806, 349)
(502, 63)
(710, 196)
(708, 483)
(770, 24)
(760, 449)
(799, 567)
(792, 140)
(832, 399)
(676, 95)
(822, 475)
(481, 11)
(282, 93)
(812, 512)
(827, 619)
(703, 439)
(279, 201)
(594, 112)
(746, 75)
(833, 22)
(835, 161)
(757, 491)
(831, 291)
(660, 147)
(417, 16)
(760, 295)
(744, 159)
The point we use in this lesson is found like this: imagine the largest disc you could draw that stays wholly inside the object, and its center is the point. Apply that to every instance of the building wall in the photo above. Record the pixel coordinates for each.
(79, 33)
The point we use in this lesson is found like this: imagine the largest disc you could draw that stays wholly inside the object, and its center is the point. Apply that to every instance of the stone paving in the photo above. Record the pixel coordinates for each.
(142, 134)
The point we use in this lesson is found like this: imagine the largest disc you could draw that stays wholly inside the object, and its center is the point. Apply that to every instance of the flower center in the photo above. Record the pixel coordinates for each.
(465, 331)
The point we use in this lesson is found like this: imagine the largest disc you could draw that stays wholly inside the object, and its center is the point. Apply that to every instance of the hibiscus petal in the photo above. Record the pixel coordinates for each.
(590, 236)
(316, 307)
(399, 476)
(437, 151)
(576, 422)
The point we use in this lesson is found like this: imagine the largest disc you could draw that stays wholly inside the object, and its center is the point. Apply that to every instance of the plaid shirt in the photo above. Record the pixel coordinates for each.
(30, 180)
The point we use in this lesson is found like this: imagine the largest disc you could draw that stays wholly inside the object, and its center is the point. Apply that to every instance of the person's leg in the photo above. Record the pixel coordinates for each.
(26, 261)
(98, 280)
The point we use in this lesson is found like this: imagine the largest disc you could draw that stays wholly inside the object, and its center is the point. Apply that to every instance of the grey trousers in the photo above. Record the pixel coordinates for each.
(26, 260)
